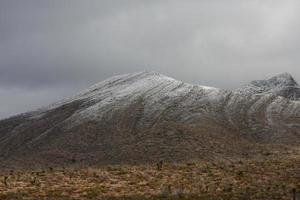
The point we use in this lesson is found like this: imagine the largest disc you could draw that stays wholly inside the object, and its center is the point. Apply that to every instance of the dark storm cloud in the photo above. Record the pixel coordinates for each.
(51, 48)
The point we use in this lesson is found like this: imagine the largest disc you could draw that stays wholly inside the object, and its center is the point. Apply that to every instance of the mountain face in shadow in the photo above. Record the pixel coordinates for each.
(145, 117)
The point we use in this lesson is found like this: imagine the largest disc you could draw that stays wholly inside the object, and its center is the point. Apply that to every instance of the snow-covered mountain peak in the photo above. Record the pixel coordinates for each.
(142, 81)
(283, 85)
(281, 80)
(284, 79)
(154, 86)
(146, 83)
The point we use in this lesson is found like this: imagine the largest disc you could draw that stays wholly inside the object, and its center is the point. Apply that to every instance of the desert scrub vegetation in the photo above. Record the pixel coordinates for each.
(273, 178)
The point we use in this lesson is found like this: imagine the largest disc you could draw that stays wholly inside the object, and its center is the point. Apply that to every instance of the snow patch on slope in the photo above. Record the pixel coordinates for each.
(158, 91)
(185, 101)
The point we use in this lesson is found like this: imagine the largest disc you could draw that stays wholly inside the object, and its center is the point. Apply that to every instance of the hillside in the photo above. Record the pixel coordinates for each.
(146, 117)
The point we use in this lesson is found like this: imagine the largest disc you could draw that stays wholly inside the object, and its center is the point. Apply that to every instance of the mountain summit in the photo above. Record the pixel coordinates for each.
(283, 85)
(282, 80)
(147, 116)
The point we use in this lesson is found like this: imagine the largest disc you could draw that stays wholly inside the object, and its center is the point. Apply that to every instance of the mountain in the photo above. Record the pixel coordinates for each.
(145, 117)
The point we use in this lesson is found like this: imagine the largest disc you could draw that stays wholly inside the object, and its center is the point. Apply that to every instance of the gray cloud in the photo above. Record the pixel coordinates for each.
(50, 49)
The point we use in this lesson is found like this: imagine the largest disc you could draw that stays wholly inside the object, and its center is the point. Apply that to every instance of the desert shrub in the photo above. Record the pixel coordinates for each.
(5, 180)
(95, 192)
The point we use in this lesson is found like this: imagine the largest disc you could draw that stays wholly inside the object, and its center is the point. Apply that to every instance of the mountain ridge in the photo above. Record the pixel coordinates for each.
(145, 116)
(286, 80)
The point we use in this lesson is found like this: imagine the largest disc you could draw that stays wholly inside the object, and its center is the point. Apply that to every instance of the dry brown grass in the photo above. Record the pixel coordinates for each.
(241, 179)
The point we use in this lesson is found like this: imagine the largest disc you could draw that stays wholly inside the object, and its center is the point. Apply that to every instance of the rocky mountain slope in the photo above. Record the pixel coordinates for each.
(145, 117)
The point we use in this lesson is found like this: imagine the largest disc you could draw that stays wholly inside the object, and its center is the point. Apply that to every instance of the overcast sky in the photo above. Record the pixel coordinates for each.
(52, 49)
